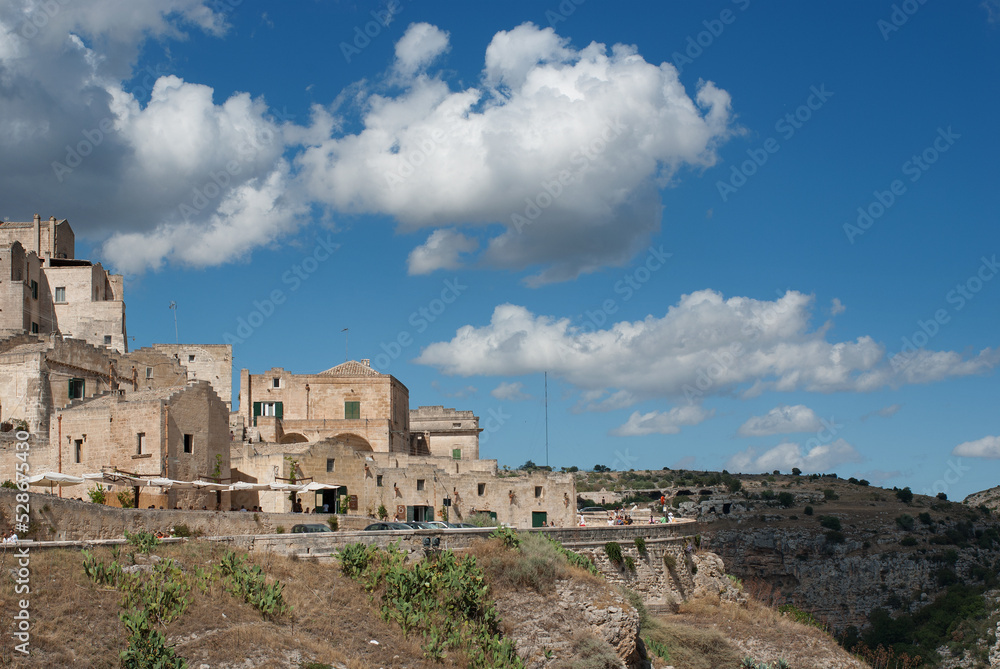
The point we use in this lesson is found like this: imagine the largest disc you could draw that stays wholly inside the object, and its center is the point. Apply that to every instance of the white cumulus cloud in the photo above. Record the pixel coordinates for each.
(513, 392)
(441, 251)
(418, 47)
(544, 147)
(785, 456)
(662, 422)
(782, 419)
(987, 447)
(704, 345)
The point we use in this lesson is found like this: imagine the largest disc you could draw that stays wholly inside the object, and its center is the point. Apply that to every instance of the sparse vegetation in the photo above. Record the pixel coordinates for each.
(444, 600)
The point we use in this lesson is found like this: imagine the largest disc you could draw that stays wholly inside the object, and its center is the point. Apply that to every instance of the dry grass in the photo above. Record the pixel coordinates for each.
(536, 566)
(692, 646)
(764, 633)
(75, 622)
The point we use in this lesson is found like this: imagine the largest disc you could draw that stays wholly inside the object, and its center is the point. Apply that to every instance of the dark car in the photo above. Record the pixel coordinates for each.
(312, 527)
(466, 526)
(374, 527)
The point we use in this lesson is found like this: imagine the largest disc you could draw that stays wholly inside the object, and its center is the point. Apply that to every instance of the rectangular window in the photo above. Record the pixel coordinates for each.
(190, 358)
(189, 443)
(60, 293)
(456, 453)
(538, 491)
(34, 289)
(79, 451)
(140, 443)
(330, 462)
(276, 382)
(149, 372)
(482, 489)
(77, 388)
(352, 410)
(271, 409)
(107, 340)
(378, 480)
(34, 328)
(420, 484)
(456, 425)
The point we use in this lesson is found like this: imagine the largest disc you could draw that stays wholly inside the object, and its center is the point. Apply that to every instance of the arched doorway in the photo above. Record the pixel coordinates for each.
(354, 441)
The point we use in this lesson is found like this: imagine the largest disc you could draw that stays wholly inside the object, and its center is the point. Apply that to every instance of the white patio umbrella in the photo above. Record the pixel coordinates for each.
(52, 479)
(316, 485)
(209, 485)
(286, 487)
(246, 485)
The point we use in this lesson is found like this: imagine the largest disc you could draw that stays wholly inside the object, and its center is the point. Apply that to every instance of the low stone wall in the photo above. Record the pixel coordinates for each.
(63, 519)
(57, 519)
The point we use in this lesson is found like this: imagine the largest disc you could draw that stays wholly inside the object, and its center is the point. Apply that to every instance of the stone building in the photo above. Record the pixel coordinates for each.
(435, 430)
(177, 432)
(45, 289)
(408, 487)
(351, 402)
(207, 362)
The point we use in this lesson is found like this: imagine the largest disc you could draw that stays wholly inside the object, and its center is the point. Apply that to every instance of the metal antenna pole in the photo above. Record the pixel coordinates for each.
(346, 340)
(546, 419)
(177, 338)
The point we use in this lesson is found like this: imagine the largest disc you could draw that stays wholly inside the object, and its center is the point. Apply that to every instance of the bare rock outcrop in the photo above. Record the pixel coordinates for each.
(548, 629)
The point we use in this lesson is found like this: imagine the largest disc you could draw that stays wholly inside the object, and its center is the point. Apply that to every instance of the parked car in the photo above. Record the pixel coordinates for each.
(593, 509)
(438, 524)
(374, 527)
(421, 525)
(309, 528)
(466, 525)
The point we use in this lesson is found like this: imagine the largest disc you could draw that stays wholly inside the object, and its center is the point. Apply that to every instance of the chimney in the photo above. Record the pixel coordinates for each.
(38, 234)
(52, 238)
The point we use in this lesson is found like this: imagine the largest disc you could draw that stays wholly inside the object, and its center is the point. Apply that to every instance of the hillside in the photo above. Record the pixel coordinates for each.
(882, 566)
(558, 616)
(990, 498)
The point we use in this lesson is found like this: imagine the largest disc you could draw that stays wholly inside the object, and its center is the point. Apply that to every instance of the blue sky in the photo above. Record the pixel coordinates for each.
(735, 235)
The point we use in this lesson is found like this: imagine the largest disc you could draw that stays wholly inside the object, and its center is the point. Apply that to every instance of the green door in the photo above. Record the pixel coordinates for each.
(538, 519)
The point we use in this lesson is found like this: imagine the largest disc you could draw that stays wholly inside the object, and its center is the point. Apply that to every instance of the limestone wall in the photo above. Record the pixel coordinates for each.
(212, 363)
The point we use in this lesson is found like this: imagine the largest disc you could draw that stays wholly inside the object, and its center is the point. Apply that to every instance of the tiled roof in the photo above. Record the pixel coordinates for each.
(351, 368)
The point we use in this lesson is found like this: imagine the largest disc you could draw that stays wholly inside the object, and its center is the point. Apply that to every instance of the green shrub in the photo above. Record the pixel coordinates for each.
(8, 484)
(905, 521)
(808, 510)
(97, 495)
(905, 495)
(830, 522)
(925, 518)
(126, 499)
(182, 531)
(143, 541)
(786, 499)
(640, 545)
(835, 537)
(614, 552)
(332, 521)
(669, 561)
(829, 494)
(147, 648)
(508, 535)
(443, 600)
(908, 540)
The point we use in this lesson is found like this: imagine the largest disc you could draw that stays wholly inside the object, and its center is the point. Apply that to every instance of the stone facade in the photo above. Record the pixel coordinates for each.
(409, 487)
(44, 289)
(179, 432)
(212, 363)
(351, 402)
(435, 430)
